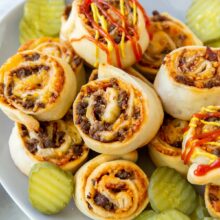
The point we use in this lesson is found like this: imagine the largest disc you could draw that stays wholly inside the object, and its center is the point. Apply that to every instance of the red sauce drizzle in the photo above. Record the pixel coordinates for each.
(85, 9)
(204, 169)
(198, 140)
(208, 115)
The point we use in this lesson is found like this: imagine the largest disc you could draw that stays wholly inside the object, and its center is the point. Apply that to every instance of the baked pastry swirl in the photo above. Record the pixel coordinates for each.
(114, 32)
(189, 79)
(57, 142)
(34, 86)
(131, 71)
(201, 147)
(168, 34)
(54, 47)
(165, 148)
(212, 200)
(111, 187)
(117, 113)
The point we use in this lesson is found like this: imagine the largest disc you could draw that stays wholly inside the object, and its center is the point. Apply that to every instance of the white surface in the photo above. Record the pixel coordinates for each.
(15, 182)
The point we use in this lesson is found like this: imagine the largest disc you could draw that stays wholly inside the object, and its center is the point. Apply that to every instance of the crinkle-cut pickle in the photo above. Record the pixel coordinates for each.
(50, 188)
(203, 18)
(169, 190)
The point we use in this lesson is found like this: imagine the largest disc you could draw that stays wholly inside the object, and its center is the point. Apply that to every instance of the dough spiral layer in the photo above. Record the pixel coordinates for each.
(34, 86)
(117, 113)
(111, 187)
(57, 142)
(189, 79)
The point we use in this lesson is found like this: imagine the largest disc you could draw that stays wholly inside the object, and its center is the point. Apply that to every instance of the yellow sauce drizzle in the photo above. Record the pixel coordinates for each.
(96, 15)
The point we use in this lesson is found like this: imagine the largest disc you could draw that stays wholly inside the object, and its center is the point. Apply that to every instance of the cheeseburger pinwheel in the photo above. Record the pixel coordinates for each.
(201, 147)
(34, 86)
(57, 142)
(117, 113)
(165, 148)
(55, 47)
(100, 31)
(111, 187)
(168, 33)
(189, 79)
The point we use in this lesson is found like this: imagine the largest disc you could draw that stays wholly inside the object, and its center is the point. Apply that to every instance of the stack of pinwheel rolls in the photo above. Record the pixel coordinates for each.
(38, 87)
(59, 115)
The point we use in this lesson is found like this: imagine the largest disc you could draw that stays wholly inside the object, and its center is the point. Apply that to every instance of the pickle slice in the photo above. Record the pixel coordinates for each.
(45, 15)
(203, 18)
(27, 32)
(50, 188)
(172, 214)
(215, 43)
(169, 190)
(200, 211)
(148, 214)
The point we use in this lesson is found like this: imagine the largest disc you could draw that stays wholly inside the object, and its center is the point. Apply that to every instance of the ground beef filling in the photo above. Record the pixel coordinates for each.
(93, 130)
(123, 174)
(185, 67)
(104, 202)
(50, 139)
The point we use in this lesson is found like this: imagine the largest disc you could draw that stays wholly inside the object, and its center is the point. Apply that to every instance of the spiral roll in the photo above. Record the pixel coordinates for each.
(34, 86)
(63, 50)
(212, 200)
(165, 149)
(114, 32)
(57, 142)
(117, 113)
(189, 79)
(201, 147)
(168, 34)
(111, 187)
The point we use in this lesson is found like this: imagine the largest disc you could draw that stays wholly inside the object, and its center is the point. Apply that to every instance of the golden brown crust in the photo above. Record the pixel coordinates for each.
(198, 68)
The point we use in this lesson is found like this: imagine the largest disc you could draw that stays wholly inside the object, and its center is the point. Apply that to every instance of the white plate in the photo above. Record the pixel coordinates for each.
(11, 178)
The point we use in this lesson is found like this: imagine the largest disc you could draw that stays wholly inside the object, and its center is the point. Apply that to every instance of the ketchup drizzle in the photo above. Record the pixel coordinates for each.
(198, 140)
(204, 169)
(85, 9)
